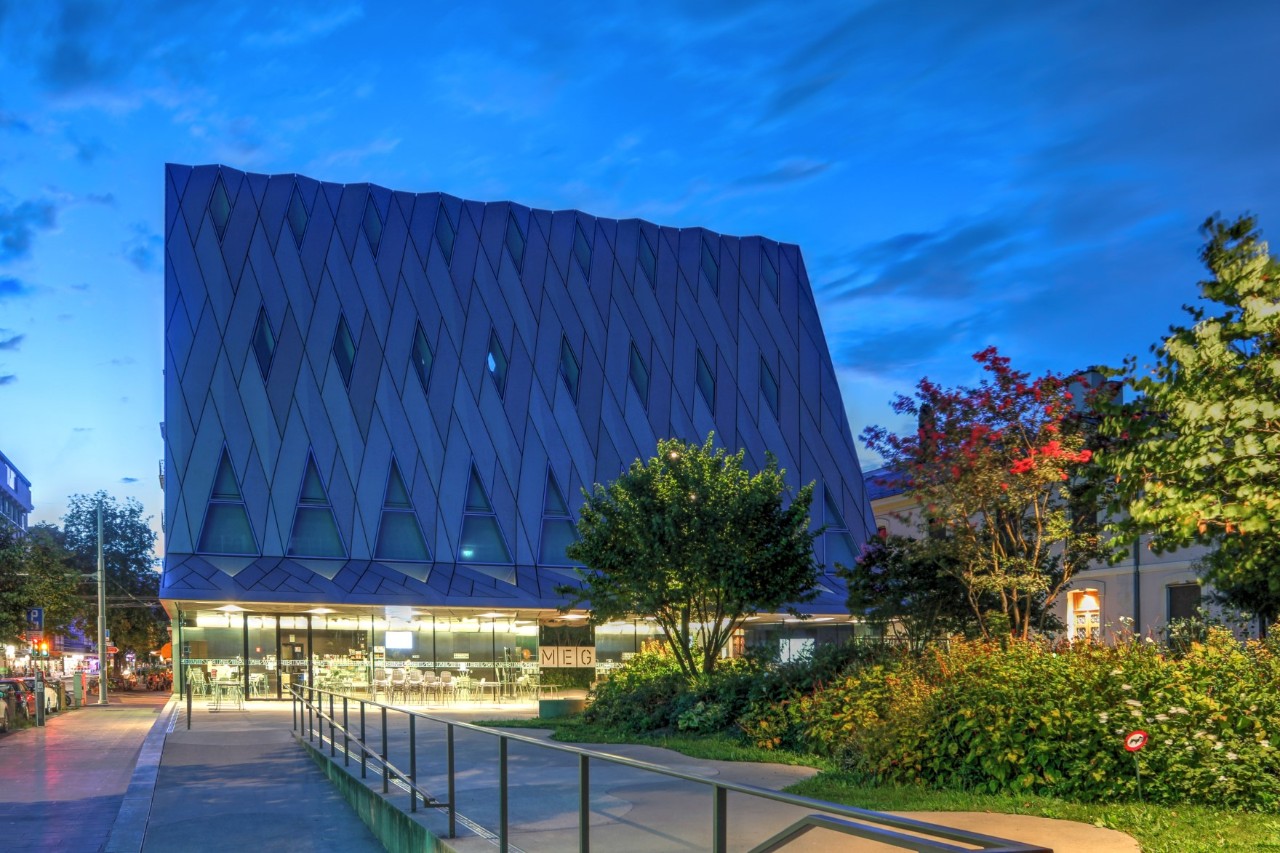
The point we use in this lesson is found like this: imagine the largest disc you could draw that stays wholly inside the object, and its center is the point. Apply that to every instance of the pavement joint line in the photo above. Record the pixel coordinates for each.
(130, 828)
(482, 832)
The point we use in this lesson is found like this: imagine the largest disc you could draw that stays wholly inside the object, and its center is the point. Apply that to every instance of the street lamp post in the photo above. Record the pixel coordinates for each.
(102, 616)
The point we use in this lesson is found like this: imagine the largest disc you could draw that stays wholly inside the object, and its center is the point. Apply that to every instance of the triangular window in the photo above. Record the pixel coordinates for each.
(226, 528)
(297, 216)
(481, 540)
(768, 386)
(639, 375)
(569, 370)
(706, 381)
(710, 267)
(220, 207)
(422, 358)
(399, 533)
(372, 224)
(558, 530)
(315, 530)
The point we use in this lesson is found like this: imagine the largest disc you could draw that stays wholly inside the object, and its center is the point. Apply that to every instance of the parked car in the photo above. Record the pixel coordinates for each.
(50, 693)
(24, 701)
(4, 714)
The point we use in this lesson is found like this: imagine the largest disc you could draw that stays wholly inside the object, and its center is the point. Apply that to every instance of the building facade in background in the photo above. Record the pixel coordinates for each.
(1143, 592)
(15, 496)
(381, 409)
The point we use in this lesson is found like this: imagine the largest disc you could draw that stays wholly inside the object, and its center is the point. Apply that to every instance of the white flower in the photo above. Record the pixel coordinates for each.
(1135, 713)
(1134, 702)
(1178, 709)
(1266, 744)
(1222, 778)
(1217, 746)
(1231, 756)
(1162, 717)
(1170, 743)
(1126, 686)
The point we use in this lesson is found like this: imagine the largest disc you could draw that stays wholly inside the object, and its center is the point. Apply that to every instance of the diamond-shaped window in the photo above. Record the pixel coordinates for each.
(639, 375)
(297, 216)
(648, 261)
(582, 249)
(445, 234)
(706, 381)
(497, 362)
(220, 207)
(770, 275)
(768, 386)
(710, 268)
(515, 241)
(421, 357)
(372, 224)
(264, 342)
(344, 351)
(569, 370)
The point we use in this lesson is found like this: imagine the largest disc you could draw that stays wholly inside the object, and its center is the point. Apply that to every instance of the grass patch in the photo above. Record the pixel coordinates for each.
(1159, 829)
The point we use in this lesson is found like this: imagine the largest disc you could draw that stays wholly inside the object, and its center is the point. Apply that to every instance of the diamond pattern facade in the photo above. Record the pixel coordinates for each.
(387, 398)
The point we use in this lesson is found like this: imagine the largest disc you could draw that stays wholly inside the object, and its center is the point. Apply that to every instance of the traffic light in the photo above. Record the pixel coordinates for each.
(44, 648)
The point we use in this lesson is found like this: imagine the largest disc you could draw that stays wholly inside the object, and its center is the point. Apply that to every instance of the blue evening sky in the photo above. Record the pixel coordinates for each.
(957, 174)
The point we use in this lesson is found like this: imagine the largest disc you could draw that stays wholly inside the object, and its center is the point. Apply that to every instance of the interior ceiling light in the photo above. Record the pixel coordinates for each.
(319, 610)
(493, 615)
(573, 616)
(231, 608)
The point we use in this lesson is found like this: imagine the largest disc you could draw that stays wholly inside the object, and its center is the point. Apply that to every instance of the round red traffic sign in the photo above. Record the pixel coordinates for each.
(1135, 740)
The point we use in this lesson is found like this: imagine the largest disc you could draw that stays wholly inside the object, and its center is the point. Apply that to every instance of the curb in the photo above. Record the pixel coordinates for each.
(130, 828)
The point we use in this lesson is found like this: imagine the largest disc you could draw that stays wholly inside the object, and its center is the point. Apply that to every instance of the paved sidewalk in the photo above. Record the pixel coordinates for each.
(237, 780)
(61, 786)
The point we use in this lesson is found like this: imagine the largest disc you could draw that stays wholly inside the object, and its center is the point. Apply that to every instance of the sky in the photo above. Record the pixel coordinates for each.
(957, 174)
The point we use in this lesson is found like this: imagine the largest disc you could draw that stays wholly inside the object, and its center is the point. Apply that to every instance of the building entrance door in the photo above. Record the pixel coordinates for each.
(263, 656)
(295, 652)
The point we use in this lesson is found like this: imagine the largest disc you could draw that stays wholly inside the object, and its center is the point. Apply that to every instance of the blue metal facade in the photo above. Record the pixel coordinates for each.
(15, 496)
(387, 398)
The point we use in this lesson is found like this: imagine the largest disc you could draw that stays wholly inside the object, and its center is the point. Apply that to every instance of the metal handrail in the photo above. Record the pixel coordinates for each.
(873, 825)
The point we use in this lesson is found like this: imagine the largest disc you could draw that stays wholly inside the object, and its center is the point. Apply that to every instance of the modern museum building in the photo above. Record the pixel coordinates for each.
(382, 409)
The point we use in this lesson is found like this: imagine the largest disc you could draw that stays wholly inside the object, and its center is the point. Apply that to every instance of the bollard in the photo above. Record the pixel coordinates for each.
(188, 706)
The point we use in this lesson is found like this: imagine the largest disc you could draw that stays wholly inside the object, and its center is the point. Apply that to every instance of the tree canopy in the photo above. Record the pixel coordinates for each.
(998, 470)
(135, 620)
(1195, 454)
(35, 572)
(696, 541)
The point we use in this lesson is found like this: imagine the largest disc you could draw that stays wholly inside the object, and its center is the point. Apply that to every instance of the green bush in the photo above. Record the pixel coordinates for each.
(1051, 719)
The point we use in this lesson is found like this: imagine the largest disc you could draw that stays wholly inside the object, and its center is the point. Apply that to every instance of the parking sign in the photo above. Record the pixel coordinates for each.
(35, 618)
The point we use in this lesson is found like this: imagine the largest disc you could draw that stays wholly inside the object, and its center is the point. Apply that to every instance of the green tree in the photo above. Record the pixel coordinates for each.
(135, 620)
(35, 572)
(992, 468)
(913, 584)
(1196, 453)
(697, 542)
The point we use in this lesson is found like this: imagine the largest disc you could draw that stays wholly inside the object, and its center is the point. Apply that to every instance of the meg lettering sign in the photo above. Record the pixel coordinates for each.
(567, 656)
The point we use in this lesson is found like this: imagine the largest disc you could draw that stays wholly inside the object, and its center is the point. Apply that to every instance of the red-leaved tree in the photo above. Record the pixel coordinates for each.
(998, 471)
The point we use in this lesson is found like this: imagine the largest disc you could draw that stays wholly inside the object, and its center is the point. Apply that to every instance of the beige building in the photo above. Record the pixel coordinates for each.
(1148, 588)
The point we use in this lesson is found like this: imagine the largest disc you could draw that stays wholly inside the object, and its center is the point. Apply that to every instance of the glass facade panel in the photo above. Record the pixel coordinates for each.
(557, 534)
(710, 268)
(400, 537)
(769, 274)
(515, 242)
(648, 261)
(212, 649)
(422, 358)
(264, 669)
(220, 208)
(569, 368)
(226, 530)
(768, 387)
(497, 361)
(840, 550)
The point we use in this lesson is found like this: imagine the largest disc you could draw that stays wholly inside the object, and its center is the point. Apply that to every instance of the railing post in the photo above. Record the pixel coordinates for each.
(333, 742)
(311, 730)
(189, 707)
(453, 798)
(720, 821)
(584, 804)
(364, 753)
(503, 840)
(293, 707)
(386, 769)
(346, 735)
(413, 763)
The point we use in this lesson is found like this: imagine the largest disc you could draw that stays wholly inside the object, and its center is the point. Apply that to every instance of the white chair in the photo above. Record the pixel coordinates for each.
(447, 688)
(414, 685)
(398, 684)
(381, 681)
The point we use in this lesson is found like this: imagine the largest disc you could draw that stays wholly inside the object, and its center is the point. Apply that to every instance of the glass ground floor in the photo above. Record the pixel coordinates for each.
(263, 650)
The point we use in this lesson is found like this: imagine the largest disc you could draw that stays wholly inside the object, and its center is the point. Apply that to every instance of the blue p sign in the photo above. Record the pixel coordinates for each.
(35, 618)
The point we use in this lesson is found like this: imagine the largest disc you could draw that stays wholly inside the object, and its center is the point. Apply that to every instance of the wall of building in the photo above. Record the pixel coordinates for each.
(15, 495)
